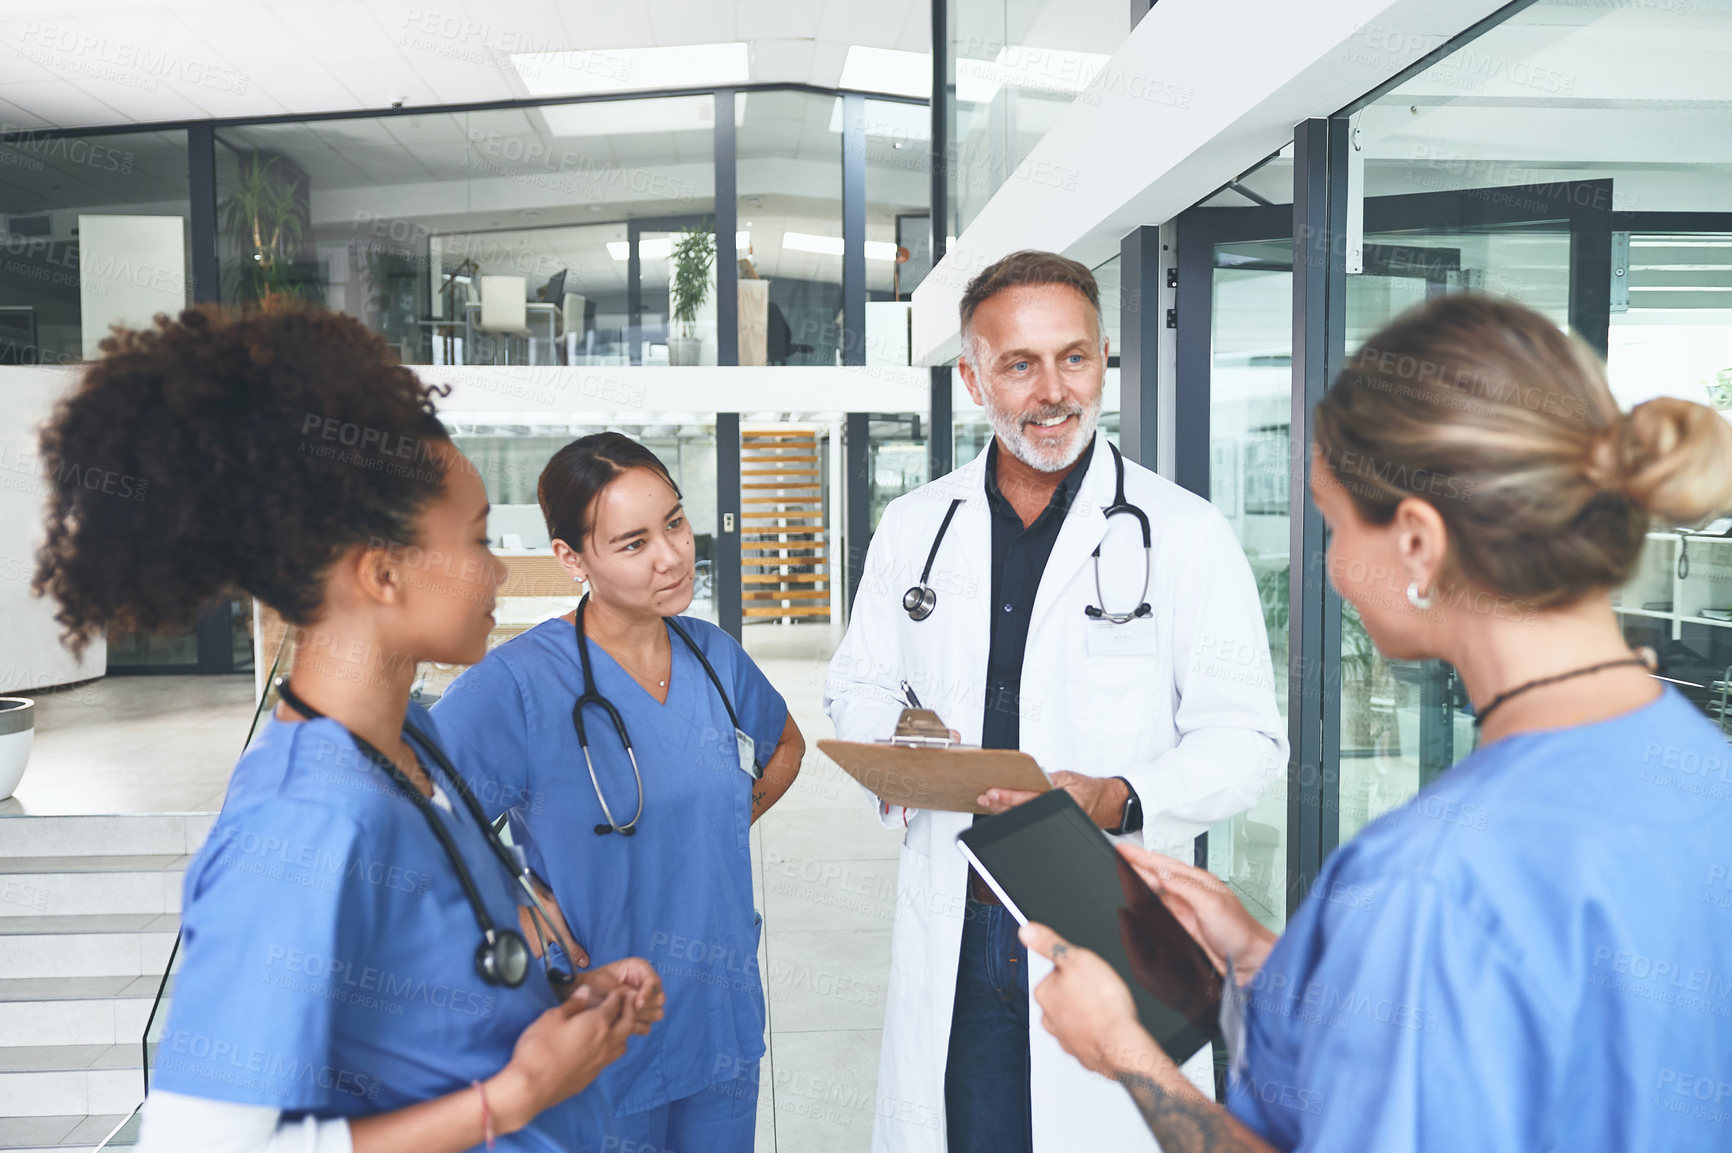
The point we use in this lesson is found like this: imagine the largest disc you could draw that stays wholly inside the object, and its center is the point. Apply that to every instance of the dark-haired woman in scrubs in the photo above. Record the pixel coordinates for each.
(647, 850)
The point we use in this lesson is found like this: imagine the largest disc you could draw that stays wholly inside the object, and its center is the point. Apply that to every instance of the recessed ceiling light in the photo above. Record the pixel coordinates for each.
(662, 247)
(637, 117)
(887, 70)
(832, 245)
(633, 69)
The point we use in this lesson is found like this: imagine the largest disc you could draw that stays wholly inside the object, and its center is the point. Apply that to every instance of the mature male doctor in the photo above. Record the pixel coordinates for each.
(1034, 624)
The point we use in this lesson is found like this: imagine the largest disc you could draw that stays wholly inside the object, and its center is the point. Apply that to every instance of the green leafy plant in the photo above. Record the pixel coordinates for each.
(265, 224)
(694, 254)
(1720, 390)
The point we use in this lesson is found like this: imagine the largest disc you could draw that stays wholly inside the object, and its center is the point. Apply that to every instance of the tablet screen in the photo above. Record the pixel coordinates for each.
(1052, 865)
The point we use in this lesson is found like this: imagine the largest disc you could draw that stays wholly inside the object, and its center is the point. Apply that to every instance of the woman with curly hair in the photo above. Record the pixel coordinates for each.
(351, 974)
(1520, 957)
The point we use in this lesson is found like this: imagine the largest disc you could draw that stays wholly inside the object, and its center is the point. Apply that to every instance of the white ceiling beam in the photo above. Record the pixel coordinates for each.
(1198, 93)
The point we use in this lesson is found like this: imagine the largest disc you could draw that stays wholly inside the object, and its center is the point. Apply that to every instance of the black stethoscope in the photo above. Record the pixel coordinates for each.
(503, 956)
(592, 696)
(919, 601)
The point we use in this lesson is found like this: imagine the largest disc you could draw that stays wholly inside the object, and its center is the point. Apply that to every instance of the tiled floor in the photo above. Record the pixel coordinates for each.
(135, 745)
(826, 870)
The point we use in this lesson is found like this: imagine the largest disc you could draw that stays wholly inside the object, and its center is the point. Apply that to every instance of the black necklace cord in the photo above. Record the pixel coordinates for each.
(1540, 682)
(420, 800)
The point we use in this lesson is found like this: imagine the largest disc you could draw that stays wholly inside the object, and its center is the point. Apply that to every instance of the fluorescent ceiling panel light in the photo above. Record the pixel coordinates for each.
(890, 120)
(887, 70)
(832, 245)
(633, 69)
(662, 247)
(637, 117)
(1052, 71)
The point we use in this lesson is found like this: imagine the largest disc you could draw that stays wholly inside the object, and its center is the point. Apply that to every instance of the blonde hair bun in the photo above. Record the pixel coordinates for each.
(1675, 457)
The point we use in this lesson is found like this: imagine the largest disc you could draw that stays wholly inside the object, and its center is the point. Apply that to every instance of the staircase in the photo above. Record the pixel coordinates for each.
(89, 907)
(784, 560)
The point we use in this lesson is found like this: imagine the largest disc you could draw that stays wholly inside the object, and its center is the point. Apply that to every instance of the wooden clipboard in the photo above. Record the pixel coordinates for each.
(921, 768)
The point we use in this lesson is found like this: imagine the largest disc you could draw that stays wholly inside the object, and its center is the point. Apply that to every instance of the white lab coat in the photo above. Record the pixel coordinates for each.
(1181, 704)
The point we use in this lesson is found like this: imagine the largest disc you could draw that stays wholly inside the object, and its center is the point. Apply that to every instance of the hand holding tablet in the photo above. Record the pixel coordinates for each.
(1051, 865)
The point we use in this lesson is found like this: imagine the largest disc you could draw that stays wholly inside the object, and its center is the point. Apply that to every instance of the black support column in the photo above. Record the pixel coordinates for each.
(726, 561)
(1140, 335)
(941, 425)
(1591, 262)
(853, 228)
(202, 209)
(856, 436)
(727, 224)
(1314, 609)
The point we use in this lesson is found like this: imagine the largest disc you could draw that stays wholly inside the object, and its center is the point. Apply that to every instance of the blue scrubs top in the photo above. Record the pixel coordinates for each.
(327, 957)
(679, 891)
(1533, 954)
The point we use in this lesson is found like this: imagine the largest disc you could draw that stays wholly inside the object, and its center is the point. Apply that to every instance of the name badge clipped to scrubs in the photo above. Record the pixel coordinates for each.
(1133, 639)
(748, 752)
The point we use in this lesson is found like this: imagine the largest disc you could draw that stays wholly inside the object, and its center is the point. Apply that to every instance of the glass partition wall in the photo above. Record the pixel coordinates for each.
(95, 230)
(543, 235)
(1521, 166)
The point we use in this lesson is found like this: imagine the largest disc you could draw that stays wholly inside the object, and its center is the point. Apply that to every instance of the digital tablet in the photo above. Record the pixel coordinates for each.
(1049, 863)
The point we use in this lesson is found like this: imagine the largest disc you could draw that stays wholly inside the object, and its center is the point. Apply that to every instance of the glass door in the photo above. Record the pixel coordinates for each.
(1403, 723)
(1234, 446)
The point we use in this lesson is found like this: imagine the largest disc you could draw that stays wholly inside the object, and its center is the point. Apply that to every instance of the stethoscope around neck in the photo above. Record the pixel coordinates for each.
(919, 601)
(592, 696)
(503, 956)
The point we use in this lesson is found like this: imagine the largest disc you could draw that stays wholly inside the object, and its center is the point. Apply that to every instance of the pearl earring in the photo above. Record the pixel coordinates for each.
(1418, 600)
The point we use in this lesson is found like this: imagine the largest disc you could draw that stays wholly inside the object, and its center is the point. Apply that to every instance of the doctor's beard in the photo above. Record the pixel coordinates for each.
(1008, 427)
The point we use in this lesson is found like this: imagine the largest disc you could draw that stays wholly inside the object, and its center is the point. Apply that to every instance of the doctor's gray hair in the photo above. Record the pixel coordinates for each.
(576, 475)
(1029, 266)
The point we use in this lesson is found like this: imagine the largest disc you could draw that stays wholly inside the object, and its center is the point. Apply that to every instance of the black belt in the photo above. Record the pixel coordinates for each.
(979, 890)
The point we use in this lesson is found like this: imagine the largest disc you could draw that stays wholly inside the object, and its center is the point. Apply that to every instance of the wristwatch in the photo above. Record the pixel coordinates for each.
(1132, 819)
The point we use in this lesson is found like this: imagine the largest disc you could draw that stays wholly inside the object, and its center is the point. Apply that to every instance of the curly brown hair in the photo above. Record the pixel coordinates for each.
(213, 453)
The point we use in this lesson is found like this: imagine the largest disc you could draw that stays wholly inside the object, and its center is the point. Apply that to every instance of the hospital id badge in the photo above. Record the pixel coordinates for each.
(1131, 639)
(748, 752)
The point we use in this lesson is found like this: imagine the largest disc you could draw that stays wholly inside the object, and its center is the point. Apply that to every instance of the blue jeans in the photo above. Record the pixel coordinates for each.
(986, 1076)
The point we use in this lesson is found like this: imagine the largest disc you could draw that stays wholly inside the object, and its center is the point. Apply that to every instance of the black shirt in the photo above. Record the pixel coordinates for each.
(1019, 558)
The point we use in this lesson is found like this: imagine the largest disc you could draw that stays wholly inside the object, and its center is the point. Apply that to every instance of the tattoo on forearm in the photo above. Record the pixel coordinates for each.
(1184, 1123)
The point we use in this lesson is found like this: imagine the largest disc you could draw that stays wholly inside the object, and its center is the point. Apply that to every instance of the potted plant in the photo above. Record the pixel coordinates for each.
(17, 730)
(694, 255)
(266, 226)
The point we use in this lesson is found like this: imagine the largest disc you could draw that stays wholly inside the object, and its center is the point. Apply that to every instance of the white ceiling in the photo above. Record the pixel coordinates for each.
(98, 62)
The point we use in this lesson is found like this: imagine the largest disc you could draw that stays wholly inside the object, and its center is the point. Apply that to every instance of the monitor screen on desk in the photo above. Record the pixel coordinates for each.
(554, 293)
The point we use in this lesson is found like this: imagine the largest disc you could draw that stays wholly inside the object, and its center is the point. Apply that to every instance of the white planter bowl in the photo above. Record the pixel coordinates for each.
(17, 729)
